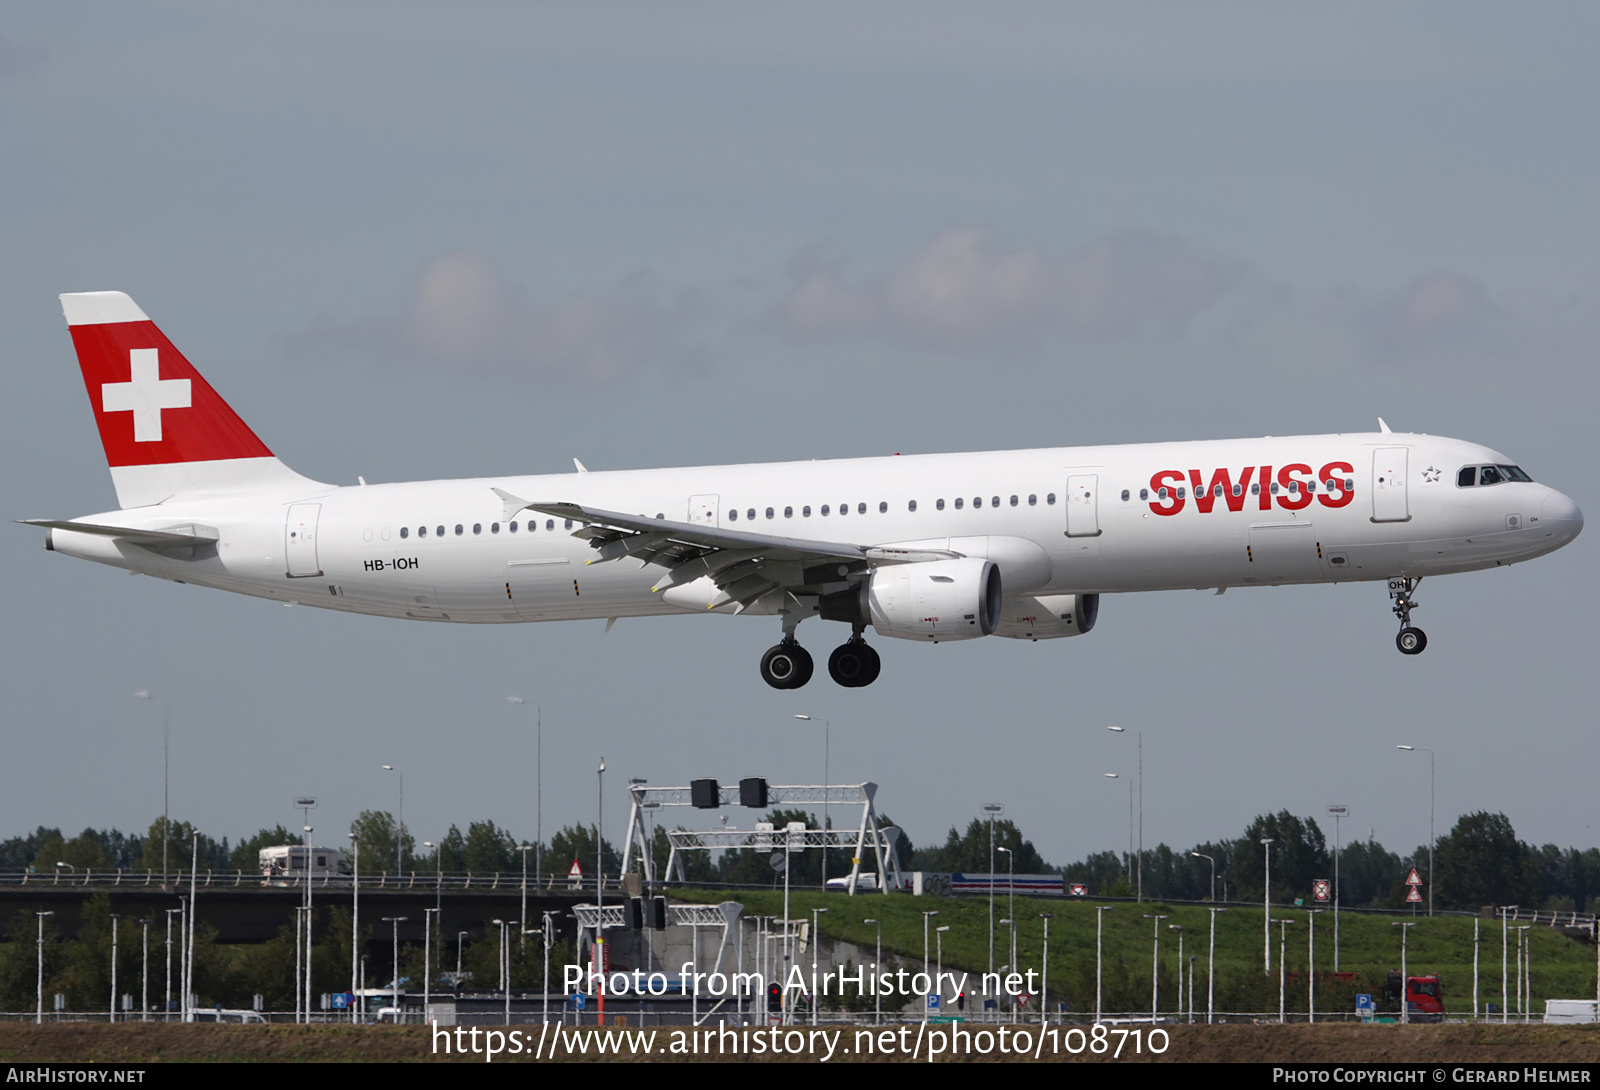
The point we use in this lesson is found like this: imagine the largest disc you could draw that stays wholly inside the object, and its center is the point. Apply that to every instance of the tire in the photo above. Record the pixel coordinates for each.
(1411, 641)
(786, 666)
(848, 665)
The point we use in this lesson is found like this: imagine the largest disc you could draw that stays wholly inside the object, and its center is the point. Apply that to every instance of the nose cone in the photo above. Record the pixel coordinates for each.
(1561, 518)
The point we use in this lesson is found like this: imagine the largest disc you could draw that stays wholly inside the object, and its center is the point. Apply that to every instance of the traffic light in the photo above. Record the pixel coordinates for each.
(774, 998)
(658, 913)
(705, 794)
(753, 792)
(635, 913)
(961, 1001)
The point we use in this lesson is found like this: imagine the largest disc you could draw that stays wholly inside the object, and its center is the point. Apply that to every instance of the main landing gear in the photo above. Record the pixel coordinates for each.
(789, 666)
(1410, 641)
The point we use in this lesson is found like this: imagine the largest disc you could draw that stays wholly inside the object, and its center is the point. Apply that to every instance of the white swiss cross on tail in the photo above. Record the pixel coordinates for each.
(145, 395)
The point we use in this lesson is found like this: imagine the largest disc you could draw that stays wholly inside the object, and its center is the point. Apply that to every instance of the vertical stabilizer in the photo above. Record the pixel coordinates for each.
(166, 432)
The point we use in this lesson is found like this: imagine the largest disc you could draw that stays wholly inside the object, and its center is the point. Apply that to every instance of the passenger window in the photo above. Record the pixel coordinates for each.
(422, 531)
(494, 527)
(805, 512)
(1161, 493)
(788, 512)
(441, 531)
(733, 514)
(1255, 489)
(551, 525)
(459, 529)
(405, 532)
(477, 527)
(1217, 491)
(844, 509)
(938, 505)
(1050, 499)
(1238, 490)
(769, 512)
(861, 508)
(513, 526)
(1274, 488)
(883, 507)
(1125, 495)
(1144, 494)
(750, 514)
(959, 503)
(977, 501)
(912, 506)
(824, 510)
(1013, 501)
(995, 502)
(1349, 484)
(1033, 500)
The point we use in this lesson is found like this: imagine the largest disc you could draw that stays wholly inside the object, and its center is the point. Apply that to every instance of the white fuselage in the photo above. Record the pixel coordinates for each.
(446, 550)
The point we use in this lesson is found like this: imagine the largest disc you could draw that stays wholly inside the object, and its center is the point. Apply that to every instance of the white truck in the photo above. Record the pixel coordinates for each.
(288, 863)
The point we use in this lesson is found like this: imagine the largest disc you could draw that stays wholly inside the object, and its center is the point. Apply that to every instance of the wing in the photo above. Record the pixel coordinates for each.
(742, 566)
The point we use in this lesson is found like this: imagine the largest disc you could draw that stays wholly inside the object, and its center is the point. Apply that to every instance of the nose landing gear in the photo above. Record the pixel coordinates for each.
(1410, 641)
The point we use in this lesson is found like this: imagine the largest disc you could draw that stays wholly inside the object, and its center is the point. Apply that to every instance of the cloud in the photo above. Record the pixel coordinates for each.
(462, 316)
(1438, 308)
(962, 289)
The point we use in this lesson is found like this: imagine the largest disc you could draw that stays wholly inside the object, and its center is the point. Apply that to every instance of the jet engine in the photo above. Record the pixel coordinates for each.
(1048, 616)
(934, 600)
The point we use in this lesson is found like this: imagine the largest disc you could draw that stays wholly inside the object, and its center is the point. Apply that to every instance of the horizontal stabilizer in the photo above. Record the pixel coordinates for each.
(155, 539)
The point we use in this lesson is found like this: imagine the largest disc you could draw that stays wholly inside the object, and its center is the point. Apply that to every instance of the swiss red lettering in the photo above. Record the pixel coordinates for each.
(1205, 495)
(1173, 503)
(1336, 472)
(1293, 500)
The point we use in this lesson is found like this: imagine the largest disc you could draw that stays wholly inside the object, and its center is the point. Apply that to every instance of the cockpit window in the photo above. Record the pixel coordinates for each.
(1497, 474)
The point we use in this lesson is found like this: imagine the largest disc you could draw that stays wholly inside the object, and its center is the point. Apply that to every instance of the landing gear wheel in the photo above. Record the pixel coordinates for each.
(786, 666)
(1411, 641)
(854, 664)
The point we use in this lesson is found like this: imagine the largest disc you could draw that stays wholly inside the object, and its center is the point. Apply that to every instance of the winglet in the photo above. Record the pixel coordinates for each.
(581, 467)
(513, 504)
(1384, 428)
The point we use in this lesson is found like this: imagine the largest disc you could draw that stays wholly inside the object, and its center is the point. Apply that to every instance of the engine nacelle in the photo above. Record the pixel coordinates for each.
(1048, 616)
(935, 600)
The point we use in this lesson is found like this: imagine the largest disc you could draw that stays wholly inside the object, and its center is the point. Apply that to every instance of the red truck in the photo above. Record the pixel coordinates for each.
(1424, 996)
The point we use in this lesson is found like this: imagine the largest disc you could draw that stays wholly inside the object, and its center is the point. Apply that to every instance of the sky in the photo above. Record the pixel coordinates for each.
(408, 241)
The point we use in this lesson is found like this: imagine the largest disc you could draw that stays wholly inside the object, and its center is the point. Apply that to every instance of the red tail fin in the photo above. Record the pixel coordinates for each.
(165, 430)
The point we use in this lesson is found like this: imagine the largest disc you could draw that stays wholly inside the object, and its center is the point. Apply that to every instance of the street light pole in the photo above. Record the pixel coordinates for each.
(1099, 951)
(1213, 862)
(1121, 730)
(38, 1014)
(1266, 901)
(1432, 837)
(400, 823)
(1155, 966)
(992, 809)
(877, 997)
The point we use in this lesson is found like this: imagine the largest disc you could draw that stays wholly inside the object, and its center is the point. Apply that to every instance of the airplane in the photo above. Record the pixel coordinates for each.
(936, 547)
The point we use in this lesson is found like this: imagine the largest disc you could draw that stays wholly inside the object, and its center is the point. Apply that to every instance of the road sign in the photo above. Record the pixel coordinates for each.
(1364, 1006)
(1321, 890)
(1415, 896)
(1414, 879)
(933, 1002)
(1078, 889)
